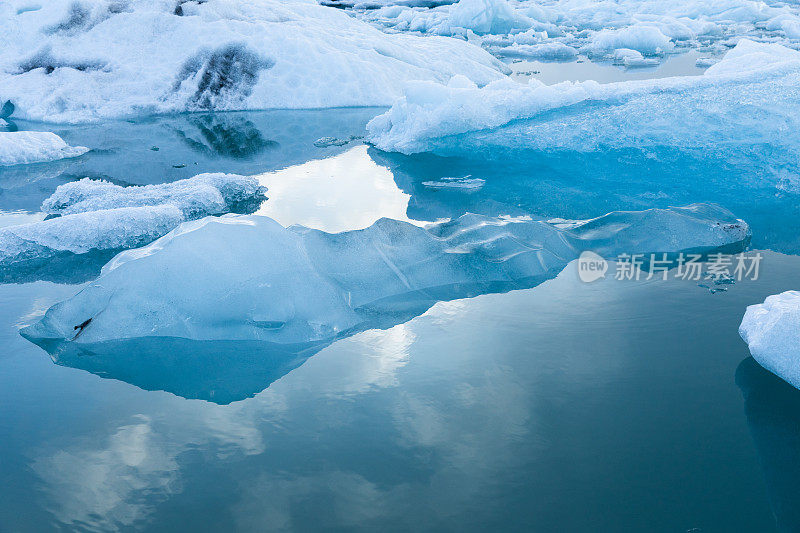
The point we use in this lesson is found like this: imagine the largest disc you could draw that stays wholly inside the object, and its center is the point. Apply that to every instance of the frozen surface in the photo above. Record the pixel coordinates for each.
(73, 61)
(24, 147)
(699, 112)
(249, 278)
(204, 194)
(772, 331)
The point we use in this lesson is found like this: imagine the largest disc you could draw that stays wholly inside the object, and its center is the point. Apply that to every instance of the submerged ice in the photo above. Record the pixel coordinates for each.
(772, 331)
(249, 278)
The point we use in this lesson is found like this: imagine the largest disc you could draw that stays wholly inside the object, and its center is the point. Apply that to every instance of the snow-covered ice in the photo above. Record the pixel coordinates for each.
(24, 147)
(80, 60)
(772, 331)
(196, 197)
(692, 111)
(107, 229)
(249, 278)
(98, 215)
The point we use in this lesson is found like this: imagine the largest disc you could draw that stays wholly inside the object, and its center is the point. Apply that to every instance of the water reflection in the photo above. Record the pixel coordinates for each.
(343, 192)
(216, 371)
(581, 185)
(772, 407)
(224, 135)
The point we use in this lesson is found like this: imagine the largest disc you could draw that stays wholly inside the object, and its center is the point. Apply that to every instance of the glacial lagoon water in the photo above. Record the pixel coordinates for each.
(618, 405)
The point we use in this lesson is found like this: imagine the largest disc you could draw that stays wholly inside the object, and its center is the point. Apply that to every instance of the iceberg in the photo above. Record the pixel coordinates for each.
(25, 147)
(487, 16)
(196, 197)
(772, 331)
(646, 39)
(695, 112)
(247, 278)
(83, 60)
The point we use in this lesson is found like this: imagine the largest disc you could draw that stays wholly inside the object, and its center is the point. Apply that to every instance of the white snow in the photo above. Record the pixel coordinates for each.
(772, 331)
(692, 111)
(24, 147)
(248, 277)
(196, 197)
(81, 60)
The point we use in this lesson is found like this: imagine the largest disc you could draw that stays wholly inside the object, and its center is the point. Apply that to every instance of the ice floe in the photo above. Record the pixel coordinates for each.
(98, 215)
(80, 60)
(249, 278)
(204, 194)
(24, 147)
(772, 331)
(702, 112)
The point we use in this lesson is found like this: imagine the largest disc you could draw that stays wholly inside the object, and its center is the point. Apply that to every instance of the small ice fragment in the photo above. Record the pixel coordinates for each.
(324, 142)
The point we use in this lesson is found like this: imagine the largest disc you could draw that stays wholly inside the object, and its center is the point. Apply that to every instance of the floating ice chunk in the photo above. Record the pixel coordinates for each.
(77, 61)
(487, 16)
(648, 40)
(543, 52)
(705, 62)
(201, 195)
(632, 58)
(23, 147)
(634, 113)
(249, 278)
(108, 229)
(772, 331)
(465, 183)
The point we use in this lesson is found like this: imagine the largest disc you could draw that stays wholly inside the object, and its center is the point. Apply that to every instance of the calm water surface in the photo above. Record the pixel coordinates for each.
(611, 406)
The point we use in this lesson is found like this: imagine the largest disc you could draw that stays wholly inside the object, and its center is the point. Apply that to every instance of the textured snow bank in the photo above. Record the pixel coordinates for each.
(79, 60)
(98, 215)
(772, 331)
(699, 111)
(22, 147)
(204, 194)
(248, 277)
